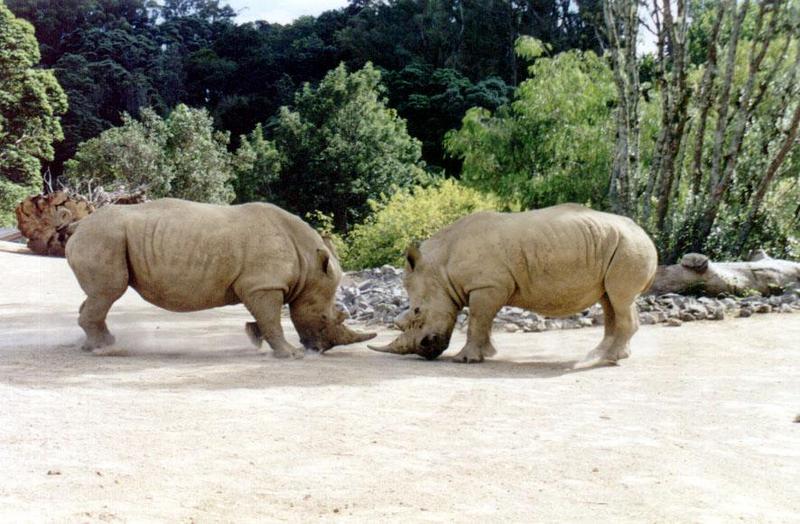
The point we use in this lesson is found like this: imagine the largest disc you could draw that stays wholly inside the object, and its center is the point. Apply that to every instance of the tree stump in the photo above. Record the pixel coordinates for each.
(43, 220)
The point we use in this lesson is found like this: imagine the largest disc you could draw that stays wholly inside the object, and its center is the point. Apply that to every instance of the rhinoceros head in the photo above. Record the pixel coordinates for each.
(317, 318)
(428, 323)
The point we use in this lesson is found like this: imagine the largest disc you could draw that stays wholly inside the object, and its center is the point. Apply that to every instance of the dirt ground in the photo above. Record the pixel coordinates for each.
(188, 423)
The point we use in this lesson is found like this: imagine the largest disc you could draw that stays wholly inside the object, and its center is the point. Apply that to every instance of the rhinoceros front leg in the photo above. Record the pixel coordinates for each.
(265, 306)
(483, 306)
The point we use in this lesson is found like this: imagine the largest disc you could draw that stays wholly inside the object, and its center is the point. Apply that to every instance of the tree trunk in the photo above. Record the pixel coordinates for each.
(696, 274)
(706, 90)
(622, 25)
(772, 170)
(745, 108)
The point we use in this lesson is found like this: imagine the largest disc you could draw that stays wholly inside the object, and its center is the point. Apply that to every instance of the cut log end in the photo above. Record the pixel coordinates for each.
(43, 220)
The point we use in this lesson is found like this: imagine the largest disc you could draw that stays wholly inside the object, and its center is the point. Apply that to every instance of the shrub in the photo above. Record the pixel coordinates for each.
(179, 156)
(407, 216)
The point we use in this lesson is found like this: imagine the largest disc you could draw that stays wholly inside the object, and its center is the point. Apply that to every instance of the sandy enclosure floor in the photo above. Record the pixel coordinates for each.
(188, 423)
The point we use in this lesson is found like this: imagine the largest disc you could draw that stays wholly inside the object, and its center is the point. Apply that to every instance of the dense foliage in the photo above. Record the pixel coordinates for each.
(30, 102)
(121, 56)
(340, 146)
(179, 156)
(407, 216)
(551, 144)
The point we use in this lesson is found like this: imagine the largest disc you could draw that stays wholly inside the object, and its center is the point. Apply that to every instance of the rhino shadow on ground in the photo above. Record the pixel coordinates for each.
(220, 357)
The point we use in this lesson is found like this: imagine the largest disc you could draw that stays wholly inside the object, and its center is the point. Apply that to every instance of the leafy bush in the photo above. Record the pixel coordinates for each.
(11, 195)
(407, 216)
(179, 156)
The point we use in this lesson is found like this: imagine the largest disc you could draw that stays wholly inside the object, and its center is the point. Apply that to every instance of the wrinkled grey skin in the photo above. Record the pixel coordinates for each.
(188, 256)
(556, 261)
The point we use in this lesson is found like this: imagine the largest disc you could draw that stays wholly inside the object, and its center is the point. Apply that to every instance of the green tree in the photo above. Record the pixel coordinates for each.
(551, 144)
(30, 104)
(341, 146)
(725, 77)
(257, 164)
(434, 101)
(180, 156)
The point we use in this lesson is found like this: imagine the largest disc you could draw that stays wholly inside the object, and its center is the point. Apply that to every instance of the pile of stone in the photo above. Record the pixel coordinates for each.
(376, 297)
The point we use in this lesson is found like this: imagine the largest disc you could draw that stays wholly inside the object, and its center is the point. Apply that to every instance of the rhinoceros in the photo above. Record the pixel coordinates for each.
(188, 256)
(555, 261)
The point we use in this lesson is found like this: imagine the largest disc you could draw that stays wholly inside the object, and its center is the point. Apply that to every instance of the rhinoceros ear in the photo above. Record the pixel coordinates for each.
(413, 256)
(324, 260)
(328, 241)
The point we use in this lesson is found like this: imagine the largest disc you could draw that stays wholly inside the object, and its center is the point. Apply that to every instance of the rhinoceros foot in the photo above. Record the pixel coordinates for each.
(473, 353)
(288, 351)
(100, 341)
(602, 357)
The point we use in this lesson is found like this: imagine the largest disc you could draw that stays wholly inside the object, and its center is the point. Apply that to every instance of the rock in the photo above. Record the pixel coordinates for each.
(552, 324)
(674, 322)
(376, 296)
(717, 314)
(697, 311)
(647, 319)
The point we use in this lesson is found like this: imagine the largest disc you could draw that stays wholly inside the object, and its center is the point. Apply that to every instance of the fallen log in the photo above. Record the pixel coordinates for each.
(43, 220)
(9, 235)
(697, 275)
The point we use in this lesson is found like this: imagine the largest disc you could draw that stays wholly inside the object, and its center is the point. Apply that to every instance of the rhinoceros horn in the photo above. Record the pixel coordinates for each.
(343, 335)
(399, 346)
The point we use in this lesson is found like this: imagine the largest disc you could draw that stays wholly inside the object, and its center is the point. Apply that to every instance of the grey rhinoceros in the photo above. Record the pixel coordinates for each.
(556, 261)
(188, 256)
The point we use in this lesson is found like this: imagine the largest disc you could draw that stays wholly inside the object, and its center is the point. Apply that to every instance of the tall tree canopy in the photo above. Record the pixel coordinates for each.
(550, 144)
(30, 104)
(120, 56)
(340, 146)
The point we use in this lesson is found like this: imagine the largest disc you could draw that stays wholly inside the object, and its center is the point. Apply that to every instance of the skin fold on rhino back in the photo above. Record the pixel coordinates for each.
(554, 260)
(187, 256)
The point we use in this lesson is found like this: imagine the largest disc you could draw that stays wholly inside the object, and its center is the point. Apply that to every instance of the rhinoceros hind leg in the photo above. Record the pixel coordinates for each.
(626, 277)
(600, 355)
(92, 319)
(483, 306)
(621, 322)
(99, 263)
(265, 306)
